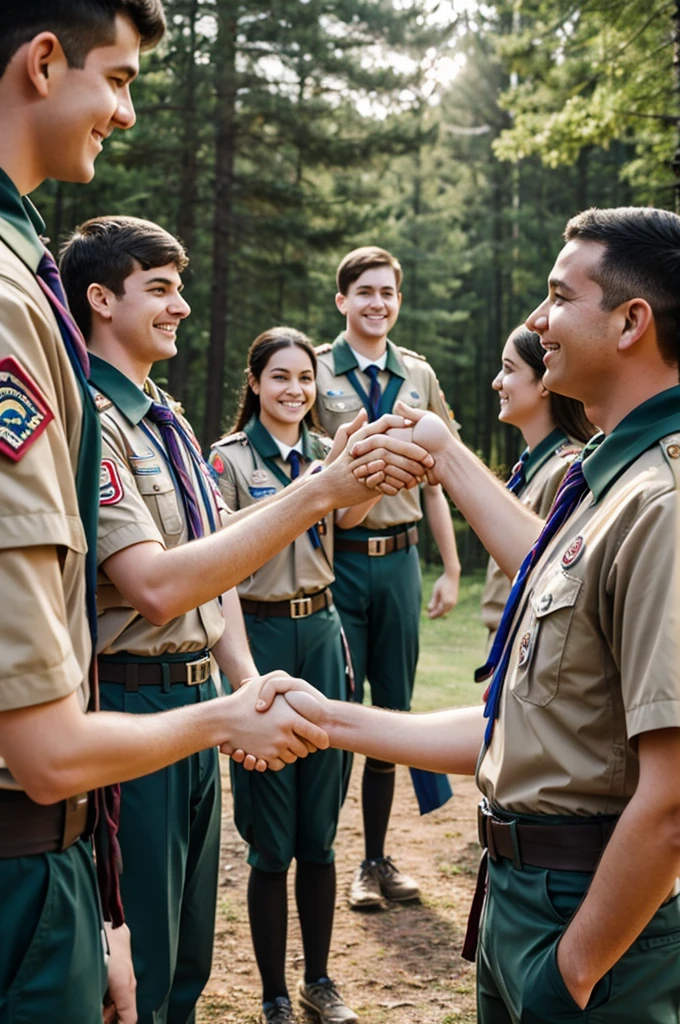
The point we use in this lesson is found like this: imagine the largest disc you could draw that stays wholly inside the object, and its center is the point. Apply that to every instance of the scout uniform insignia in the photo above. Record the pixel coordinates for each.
(573, 552)
(23, 411)
(259, 476)
(216, 463)
(524, 652)
(110, 484)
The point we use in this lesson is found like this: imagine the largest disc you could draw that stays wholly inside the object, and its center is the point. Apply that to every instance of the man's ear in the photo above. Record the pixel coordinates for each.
(42, 53)
(638, 318)
(341, 303)
(101, 299)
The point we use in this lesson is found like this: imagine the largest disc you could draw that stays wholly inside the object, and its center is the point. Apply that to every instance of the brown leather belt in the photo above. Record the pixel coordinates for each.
(577, 846)
(153, 673)
(295, 608)
(376, 547)
(28, 828)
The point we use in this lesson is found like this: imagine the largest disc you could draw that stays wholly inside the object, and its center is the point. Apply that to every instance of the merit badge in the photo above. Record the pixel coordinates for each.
(414, 394)
(261, 492)
(334, 392)
(524, 652)
(573, 552)
(23, 411)
(110, 485)
(260, 476)
(216, 463)
(101, 401)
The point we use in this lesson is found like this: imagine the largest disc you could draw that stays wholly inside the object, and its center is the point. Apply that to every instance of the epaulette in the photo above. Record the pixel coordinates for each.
(239, 437)
(101, 401)
(321, 350)
(410, 352)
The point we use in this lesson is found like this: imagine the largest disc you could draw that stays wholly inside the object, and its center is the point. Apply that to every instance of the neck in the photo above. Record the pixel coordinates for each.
(606, 411)
(536, 431)
(370, 348)
(287, 433)
(110, 350)
(19, 157)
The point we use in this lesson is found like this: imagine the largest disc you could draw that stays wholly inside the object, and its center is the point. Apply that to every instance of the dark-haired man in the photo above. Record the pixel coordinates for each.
(65, 85)
(377, 585)
(581, 743)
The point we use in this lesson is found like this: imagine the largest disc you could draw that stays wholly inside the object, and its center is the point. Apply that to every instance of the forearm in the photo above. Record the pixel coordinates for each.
(505, 527)
(232, 651)
(440, 741)
(346, 518)
(441, 524)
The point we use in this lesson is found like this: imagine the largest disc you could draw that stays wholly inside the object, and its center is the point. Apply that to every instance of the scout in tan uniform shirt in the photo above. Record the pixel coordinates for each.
(554, 429)
(378, 586)
(291, 623)
(581, 746)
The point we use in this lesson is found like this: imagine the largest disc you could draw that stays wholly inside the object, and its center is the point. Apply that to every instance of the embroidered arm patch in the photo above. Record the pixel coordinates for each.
(110, 484)
(24, 413)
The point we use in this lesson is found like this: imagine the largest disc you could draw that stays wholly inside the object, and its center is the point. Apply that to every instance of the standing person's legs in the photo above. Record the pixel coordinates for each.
(51, 953)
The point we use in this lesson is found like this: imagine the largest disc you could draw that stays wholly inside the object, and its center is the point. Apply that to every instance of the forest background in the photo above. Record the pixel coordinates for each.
(275, 135)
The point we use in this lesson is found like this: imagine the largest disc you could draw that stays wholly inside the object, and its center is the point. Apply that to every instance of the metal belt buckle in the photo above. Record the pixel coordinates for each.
(377, 546)
(198, 671)
(300, 607)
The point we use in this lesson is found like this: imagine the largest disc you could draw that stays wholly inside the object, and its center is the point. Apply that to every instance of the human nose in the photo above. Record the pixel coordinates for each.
(497, 382)
(179, 306)
(125, 115)
(538, 320)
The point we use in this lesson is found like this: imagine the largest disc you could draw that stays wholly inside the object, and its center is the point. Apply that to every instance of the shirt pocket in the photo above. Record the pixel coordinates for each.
(342, 405)
(162, 501)
(540, 651)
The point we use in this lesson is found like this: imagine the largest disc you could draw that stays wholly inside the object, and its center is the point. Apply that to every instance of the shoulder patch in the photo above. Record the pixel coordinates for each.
(321, 350)
(410, 352)
(24, 412)
(110, 484)
(101, 401)
(240, 437)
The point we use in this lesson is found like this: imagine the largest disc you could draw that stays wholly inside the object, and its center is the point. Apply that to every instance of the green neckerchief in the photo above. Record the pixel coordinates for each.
(123, 392)
(639, 430)
(345, 362)
(543, 451)
(20, 224)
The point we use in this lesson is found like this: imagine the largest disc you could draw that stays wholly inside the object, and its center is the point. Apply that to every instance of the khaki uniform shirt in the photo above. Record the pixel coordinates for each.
(594, 662)
(544, 471)
(337, 403)
(44, 634)
(139, 502)
(245, 477)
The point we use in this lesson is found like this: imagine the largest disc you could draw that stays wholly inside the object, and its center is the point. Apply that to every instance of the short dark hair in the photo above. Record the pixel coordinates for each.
(259, 354)
(106, 250)
(568, 414)
(79, 25)
(641, 260)
(366, 258)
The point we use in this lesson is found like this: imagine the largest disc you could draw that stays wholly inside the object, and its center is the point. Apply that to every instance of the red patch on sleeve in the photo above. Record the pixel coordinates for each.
(216, 461)
(24, 413)
(110, 484)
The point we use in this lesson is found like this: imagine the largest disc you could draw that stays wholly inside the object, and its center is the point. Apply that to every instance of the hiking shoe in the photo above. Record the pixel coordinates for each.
(365, 892)
(278, 1012)
(323, 999)
(393, 884)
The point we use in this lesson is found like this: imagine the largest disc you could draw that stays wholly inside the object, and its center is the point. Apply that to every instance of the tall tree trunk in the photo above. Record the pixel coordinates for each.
(178, 368)
(223, 234)
(675, 163)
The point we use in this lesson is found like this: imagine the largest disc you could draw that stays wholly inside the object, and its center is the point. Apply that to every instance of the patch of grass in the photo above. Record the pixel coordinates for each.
(451, 649)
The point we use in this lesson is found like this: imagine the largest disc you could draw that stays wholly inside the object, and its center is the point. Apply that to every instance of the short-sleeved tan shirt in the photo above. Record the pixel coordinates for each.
(140, 502)
(543, 481)
(594, 662)
(338, 402)
(44, 634)
(245, 477)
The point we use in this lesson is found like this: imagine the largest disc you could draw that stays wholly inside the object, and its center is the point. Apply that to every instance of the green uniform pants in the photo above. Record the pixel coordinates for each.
(51, 952)
(294, 812)
(170, 840)
(379, 603)
(518, 979)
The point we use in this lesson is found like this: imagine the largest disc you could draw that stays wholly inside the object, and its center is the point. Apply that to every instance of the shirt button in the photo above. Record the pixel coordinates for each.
(673, 451)
(156, 487)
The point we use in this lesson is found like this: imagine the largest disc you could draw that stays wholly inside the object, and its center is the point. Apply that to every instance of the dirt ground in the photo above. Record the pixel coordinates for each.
(399, 966)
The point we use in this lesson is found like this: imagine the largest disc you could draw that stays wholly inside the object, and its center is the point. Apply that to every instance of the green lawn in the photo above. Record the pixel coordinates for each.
(451, 649)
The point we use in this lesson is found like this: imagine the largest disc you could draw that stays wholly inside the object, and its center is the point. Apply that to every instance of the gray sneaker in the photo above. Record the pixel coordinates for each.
(365, 892)
(278, 1012)
(393, 884)
(323, 999)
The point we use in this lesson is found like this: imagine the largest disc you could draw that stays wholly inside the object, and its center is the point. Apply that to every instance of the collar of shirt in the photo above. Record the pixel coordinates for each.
(364, 362)
(539, 455)
(270, 448)
(639, 430)
(123, 392)
(344, 358)
(20, 224)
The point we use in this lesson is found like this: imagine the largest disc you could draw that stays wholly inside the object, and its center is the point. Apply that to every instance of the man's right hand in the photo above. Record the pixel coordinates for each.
(276, 739)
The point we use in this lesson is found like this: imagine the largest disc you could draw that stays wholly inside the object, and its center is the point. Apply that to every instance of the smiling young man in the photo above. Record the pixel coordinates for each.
(378, 587)
(581, 748)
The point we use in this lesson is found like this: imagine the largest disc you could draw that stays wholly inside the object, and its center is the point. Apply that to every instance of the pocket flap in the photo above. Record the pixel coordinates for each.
(560, 591)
